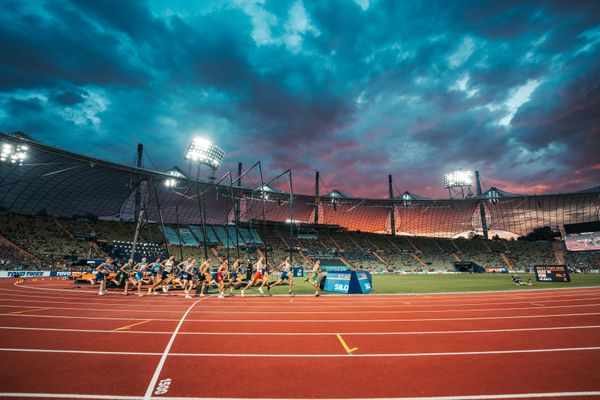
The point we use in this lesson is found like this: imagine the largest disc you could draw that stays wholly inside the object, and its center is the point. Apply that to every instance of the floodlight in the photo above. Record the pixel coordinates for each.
(13, 154)
(172, 182)
(458, 178)
(204, 152)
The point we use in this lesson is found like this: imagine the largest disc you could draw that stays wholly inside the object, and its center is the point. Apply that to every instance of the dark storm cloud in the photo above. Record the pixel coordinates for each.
(356, 91)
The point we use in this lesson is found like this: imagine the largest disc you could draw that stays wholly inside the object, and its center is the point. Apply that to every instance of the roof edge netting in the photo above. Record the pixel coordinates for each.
(60, 183)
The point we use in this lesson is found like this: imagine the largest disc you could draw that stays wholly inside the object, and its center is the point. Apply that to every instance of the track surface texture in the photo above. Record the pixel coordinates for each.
(60, 341)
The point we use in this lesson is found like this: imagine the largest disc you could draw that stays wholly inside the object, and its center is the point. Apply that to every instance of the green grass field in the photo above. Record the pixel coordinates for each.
(391, 283)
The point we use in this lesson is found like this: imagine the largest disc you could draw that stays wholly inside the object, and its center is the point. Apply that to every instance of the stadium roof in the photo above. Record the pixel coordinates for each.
(64, 184)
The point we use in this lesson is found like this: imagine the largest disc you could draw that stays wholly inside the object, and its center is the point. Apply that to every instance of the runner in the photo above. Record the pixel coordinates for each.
(204, 276)
(168, 274)
(187, 277)
(156, 275)
(221, 273)
(139, 269)
(235, 277)
(258, 275)
(124, 274)
(315, 277)
(286, 273)
(101, 275)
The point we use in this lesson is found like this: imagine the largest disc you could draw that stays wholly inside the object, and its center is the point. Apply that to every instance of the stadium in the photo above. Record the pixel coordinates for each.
(293, 199)
(63, 214)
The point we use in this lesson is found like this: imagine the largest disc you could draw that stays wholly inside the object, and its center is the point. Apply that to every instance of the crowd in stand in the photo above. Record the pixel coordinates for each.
(44, 242)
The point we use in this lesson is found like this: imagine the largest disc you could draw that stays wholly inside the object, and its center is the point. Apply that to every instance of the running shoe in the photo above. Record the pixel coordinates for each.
(260, 290)
(243, 292)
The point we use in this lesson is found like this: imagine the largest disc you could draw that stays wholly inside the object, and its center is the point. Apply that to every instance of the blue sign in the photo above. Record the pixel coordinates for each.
(338, 282)
(348, 282)
(363, 281)
(297, 272)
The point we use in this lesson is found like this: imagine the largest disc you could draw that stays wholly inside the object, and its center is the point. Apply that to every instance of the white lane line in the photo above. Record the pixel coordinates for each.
(318, 321)
(115, 353)
(462, 397)
(165, 353)
(70, 396)
(390, 333)
(297, 304)
(142, 303)
(248, 312)
(262, 355)
(389, 295)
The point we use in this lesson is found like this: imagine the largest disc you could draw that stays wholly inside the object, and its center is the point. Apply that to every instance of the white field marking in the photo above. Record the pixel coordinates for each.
(379, 333)
(428, 295)
(74, 291)
(463, 397)
(354, 321)
(388, 311)
(115, 309)
(353, 305)
(373, 300)
(70, 396)
(144, 304)
(165, 353)
(531, 294)
(328, 301)
(93, 318)
(333, 355)
(460, 310)
(77, 297)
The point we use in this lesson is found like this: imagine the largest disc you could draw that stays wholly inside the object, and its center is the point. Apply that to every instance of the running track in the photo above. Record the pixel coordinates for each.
(57, 341)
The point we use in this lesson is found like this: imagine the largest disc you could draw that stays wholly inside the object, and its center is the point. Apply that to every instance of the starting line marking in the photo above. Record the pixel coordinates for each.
(464, 397)
(164, 355)
(348, 349)
(127, 327)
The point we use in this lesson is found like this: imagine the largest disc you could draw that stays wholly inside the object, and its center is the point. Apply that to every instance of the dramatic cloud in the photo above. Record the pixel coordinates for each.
(357, 90)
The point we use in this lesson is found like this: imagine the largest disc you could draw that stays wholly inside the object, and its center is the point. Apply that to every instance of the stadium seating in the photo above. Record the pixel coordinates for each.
(50, 242)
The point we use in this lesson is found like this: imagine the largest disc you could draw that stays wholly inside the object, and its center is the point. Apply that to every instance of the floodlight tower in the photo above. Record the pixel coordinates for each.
(459, 182)
(203, 152)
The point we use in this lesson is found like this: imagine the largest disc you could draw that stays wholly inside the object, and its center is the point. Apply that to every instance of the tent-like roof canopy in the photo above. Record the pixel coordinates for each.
(59, 183)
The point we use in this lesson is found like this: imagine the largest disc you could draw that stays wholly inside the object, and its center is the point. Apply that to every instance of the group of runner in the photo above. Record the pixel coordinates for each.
(189, 274)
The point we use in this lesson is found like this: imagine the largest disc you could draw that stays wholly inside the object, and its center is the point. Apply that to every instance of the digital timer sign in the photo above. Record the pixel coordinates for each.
(552, 273)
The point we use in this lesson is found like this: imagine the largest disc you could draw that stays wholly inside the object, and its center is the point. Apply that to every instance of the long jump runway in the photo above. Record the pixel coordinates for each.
(61, 342)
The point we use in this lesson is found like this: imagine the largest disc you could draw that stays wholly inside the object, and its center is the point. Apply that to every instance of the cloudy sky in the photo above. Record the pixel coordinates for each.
(356, 89)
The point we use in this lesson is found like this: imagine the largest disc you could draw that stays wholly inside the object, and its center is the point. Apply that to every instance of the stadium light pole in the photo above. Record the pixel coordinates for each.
(287, 172)
(203, 152)
(484, 226)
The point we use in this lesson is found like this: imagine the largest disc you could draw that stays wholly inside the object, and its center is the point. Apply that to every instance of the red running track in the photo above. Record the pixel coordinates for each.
(57, 341)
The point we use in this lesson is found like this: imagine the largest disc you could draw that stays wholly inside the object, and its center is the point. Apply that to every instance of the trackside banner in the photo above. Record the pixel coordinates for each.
(32, 274)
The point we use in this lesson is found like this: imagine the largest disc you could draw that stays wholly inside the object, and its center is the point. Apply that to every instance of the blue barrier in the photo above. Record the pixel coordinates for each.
(348, 282)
